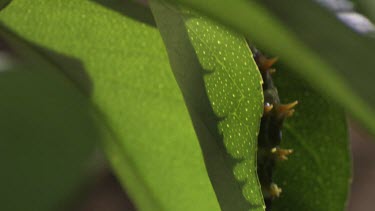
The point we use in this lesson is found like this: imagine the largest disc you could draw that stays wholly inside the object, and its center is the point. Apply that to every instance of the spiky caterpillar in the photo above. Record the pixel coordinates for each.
(270, 134)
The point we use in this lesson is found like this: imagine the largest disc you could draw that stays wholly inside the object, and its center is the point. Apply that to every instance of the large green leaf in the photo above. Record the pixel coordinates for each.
(317, 175)
(149, 137)
(222, 88)
(47, 132)
(317, 46)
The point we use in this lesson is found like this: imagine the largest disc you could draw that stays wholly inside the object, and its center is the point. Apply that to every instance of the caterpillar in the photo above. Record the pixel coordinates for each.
(270, 133)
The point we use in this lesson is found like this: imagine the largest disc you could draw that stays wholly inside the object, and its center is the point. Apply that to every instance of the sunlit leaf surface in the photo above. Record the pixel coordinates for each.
(148, 134)
(221, 63)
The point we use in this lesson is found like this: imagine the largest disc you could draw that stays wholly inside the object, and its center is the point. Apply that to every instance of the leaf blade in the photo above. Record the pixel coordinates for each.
(222, 88)
(317, 176)
(128, 76)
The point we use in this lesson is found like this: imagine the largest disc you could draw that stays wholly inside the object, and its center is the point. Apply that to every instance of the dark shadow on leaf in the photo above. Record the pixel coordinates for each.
(48, 131)
(130, 9)
(72, 68)
(4, 3)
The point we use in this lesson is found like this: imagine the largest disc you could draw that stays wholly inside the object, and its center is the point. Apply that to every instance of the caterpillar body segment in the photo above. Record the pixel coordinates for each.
(270, 135)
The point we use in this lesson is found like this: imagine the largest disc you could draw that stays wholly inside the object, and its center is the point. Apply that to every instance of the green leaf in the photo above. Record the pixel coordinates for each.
(148, 135)
(317, 175)
(222, 88)
(334, 59)
(47, 132)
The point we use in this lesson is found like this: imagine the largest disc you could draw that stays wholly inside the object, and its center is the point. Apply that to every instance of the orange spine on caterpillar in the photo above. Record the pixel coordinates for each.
(270, 130)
